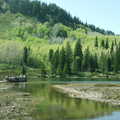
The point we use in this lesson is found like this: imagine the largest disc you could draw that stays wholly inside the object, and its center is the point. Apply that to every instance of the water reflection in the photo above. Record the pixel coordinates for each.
(58, 106)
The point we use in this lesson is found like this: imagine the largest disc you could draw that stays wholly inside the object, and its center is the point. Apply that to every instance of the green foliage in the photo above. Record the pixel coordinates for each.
(78, 55)
(107, 44)
(50, 54)
(43, 71)
(102, 43)
(23, 70)
(45, 33)
(74, 67)
(96, 42)
(69, 56)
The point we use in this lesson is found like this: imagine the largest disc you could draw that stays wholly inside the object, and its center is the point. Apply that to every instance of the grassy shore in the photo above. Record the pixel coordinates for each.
(16, 105)
(108, 93)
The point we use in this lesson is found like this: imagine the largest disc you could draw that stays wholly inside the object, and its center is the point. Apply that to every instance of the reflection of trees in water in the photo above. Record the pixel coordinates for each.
(51, 95)
(96, 106)
(78, 103)
(68, 102)
(102, 105)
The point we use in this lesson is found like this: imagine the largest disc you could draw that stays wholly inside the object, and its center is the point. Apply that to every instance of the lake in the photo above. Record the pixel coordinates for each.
(58, 106)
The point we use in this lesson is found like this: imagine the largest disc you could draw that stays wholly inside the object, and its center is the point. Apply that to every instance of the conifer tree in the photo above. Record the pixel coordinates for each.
(43, 71)
(96, 42)
(74, 67)
(23, 70)
(109, 62)
(78, 55)
(62, 61)
(56, 59)
(25, 55)
(50, 54)
(112, 45)
(102, 62)
(102, 43)
(95, 61)
(92, 64)
(65, 69)
(116, 63)
(115, 42)
(86, 60)
(107, 44)
(69, 56)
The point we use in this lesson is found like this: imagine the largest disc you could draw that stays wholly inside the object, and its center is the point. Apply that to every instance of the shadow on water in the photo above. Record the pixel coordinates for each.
(58, 106)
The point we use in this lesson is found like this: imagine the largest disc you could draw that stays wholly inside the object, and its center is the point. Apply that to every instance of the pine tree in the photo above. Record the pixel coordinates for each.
(74, 67)
(102, 43)
(65, 69)
(23, 70)
(102, 62)
(86, 60)
(56, 59)
(95, 61)
(112, 45)
(116, 63)
(78, 55)
(50, 54)
(69, 56)
(115, 42)
(62, 61)
(96, 42)
(54, 62)
(43, 71)
(92, 64)
(109, 62)
(107, 44)
(25, 55)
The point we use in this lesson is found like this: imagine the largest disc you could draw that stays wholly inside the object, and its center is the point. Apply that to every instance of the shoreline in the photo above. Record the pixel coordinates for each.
(107, 93)
(16, 105)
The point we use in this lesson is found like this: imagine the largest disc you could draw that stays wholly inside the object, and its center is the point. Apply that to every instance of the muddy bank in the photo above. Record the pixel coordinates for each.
(16, 105)
(108, 93)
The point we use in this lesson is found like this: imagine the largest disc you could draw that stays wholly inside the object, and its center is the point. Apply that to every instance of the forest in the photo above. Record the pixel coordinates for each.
(37, 39)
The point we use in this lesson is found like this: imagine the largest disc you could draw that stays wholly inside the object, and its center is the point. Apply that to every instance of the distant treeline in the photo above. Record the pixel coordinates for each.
(44, 13)
(70, 62)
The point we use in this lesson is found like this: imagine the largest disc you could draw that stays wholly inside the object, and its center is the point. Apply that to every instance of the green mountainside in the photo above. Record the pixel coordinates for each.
(33, 35)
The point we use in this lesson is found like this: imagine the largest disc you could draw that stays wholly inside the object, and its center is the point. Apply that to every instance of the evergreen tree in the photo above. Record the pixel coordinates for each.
(25, 55)
(43, 71)
(50, 54)
(78, 55)
(96, 42)
(54, 62)
(107, 44)
(23, 70)
(86, 60)
(69, 56)
(74, 67)
(103, 62)
(115, 42)
(112, 45)
(116, 67)
(56, 59)
(95, 61)
(109, 62)
(65, 69)
(102, 43)
(62, 61)
(92, 64)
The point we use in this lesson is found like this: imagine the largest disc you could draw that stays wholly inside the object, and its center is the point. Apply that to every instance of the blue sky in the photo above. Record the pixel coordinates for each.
(104, 14)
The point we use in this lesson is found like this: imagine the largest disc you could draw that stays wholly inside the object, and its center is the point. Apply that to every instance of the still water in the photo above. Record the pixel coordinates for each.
(57, 106)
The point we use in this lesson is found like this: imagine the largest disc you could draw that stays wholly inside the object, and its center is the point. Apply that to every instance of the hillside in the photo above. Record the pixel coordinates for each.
(27, 37)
